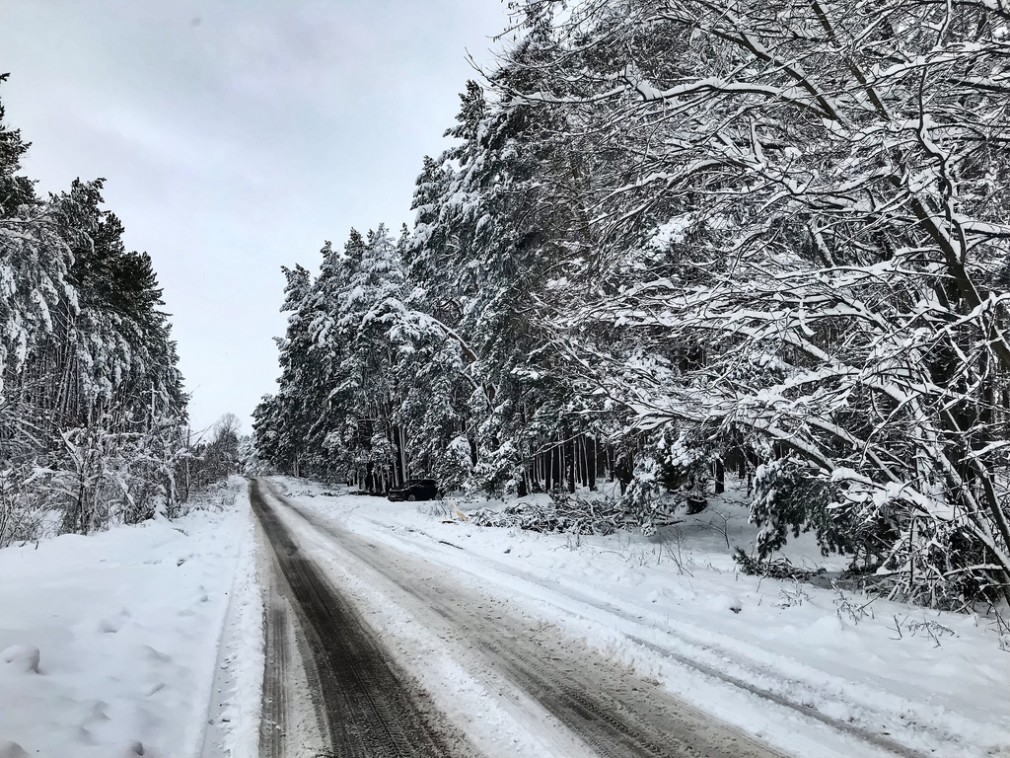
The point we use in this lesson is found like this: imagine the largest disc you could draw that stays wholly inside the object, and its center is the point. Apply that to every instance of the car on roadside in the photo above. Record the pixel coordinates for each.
(415, 489)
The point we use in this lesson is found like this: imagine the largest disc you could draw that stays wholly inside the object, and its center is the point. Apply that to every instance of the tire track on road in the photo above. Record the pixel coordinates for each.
(273, 727)
(370, 710)
(609, 708)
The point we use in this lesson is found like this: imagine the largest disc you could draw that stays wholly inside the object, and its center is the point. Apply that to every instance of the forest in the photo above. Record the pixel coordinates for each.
(674, 242)
(93, 424)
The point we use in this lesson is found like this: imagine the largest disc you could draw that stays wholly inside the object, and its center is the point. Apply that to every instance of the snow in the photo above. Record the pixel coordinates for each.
(108, 643)
(672, 232)
(20, 659)
(148, 640)
(675, 607)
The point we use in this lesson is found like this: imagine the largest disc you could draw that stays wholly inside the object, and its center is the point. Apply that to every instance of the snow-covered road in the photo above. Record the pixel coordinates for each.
(150, 640)
(514, 685)
(362, 704)
(801, 669)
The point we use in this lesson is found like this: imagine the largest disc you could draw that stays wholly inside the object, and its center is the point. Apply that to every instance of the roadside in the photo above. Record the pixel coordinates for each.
(109, 643)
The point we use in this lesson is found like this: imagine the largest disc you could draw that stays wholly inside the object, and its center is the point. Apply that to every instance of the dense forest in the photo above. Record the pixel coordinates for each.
(673, 242)
(92, 410)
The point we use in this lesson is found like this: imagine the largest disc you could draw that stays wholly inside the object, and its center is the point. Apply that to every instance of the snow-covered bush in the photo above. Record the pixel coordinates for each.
(641, 502)
(789, 498)
(453, 468)
(568, 514)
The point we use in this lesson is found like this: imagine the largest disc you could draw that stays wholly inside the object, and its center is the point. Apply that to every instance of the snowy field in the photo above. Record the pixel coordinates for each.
(790, 663)
(145, 640)
(109, 644)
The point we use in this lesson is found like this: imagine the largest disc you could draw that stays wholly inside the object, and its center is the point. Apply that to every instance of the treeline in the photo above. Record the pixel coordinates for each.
(376, 389)
(92, 410)
(672, 239)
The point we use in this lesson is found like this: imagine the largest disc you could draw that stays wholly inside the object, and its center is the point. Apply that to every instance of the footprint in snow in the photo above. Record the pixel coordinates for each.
(113, 624)
(109, 626)
(20, 659)
(157, 655)
(99, 712)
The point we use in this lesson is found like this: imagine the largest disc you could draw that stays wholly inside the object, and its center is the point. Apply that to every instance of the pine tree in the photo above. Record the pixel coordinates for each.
(91, 399)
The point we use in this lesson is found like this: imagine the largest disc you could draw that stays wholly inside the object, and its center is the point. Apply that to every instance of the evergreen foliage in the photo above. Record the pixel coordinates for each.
(672, 240)
(92, 409)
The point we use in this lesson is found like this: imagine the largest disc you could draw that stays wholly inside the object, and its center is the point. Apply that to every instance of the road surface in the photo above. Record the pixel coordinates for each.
(332, 687)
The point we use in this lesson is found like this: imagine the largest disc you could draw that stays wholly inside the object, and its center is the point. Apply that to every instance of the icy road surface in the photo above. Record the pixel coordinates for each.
(549, 694)
(552, 645)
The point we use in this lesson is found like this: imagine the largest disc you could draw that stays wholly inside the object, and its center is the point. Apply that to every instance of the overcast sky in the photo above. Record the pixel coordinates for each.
(236, 136)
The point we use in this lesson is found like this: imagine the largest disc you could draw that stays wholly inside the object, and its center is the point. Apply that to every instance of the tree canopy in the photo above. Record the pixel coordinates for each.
(92, 408)
(671, 239)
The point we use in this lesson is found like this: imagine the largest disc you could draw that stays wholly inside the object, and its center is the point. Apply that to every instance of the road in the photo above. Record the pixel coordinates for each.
(333, 688)
(365, 705)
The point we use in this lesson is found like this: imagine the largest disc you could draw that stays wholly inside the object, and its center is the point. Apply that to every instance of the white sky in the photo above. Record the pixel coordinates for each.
(236, 136)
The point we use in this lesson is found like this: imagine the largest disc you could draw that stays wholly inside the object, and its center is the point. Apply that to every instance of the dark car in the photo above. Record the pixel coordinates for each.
(415, 489)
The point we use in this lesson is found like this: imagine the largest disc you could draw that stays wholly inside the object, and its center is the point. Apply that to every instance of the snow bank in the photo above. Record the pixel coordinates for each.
(109, 642)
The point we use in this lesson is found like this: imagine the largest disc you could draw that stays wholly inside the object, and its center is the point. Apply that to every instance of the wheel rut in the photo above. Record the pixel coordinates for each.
(613, 712)
(273, 726)
(369, 708)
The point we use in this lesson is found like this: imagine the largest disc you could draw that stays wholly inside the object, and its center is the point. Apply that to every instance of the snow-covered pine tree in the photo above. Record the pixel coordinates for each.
(831, 195)
(672, 240)
(91, 400)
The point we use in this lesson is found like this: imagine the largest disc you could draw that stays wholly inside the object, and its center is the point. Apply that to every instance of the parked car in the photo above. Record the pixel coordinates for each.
(415, 489)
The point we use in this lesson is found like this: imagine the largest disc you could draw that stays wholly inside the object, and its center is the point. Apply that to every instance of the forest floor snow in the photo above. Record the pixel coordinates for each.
(811, 671)
(109, 643)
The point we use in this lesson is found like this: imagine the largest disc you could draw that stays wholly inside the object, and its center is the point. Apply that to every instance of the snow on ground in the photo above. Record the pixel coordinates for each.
(675, 607)
(109, 643)
(127, 642)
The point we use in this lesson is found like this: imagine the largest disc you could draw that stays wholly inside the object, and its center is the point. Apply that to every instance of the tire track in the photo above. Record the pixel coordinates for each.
(619, 715)
(273, 727)
(369, 710)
